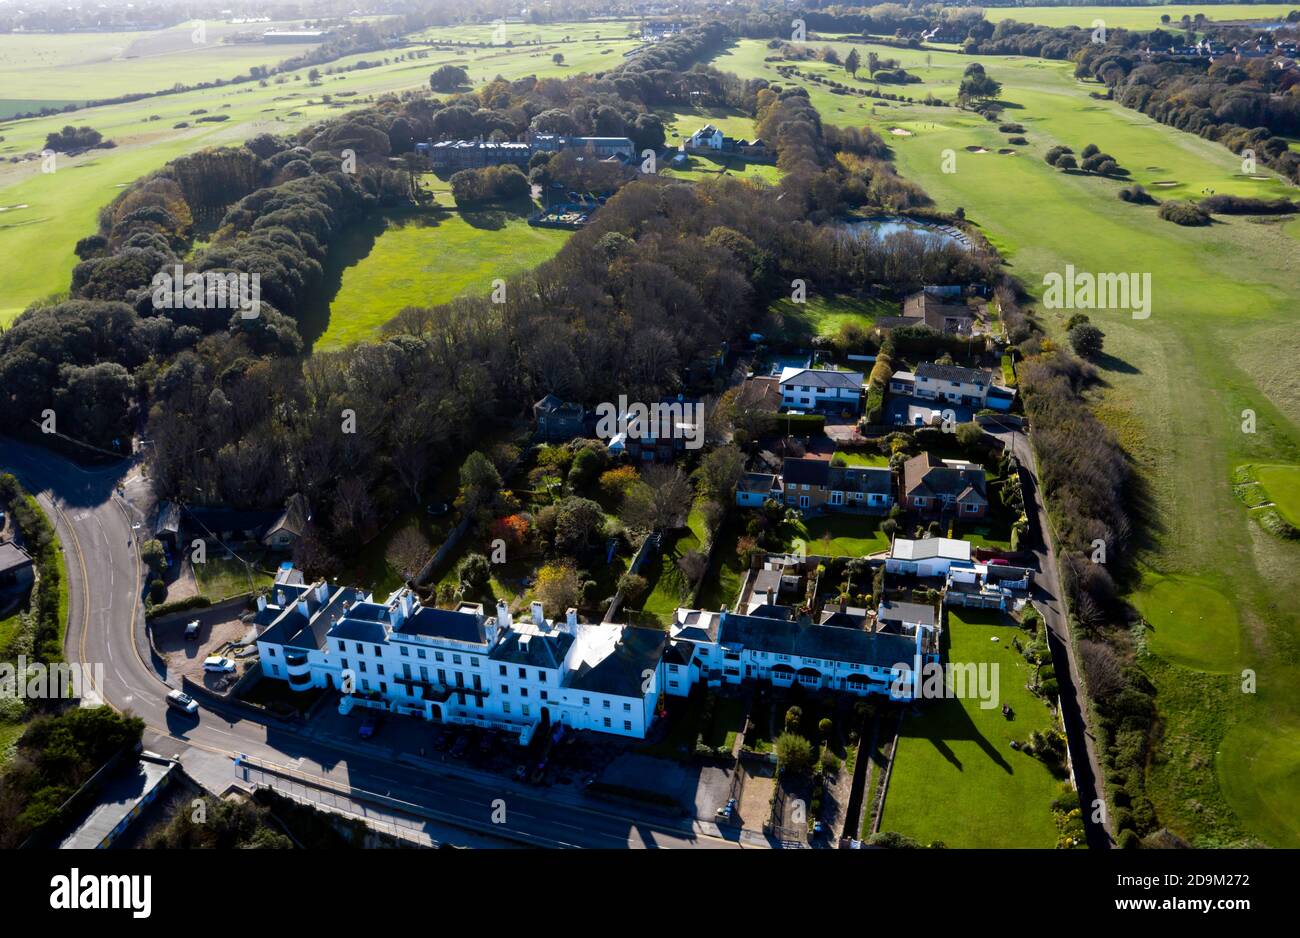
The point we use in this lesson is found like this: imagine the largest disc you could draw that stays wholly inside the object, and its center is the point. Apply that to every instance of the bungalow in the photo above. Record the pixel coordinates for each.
(290, 526)
(558, 420)
(934, 312)
(931, 485)
(926, 557)
(821, 389)
(986, 585)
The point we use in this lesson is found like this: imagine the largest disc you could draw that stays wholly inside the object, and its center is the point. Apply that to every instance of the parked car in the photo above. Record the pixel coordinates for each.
(441, 742)
(521, 772)
(183, 702)
(192, 631)
(219, 664)
(458, 748)
(369, 726)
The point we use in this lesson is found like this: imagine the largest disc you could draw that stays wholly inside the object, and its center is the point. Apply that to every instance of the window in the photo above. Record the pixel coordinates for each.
(363, 667)
(380, 667)
(544, 697)
(437, 656)
(360, 649)
(607, 721)
(605, 704)
(523, 692)
(627, 724)
(270, 651)
(442, 677)
(344, 662)
(526, 710)
(586, 701)
(505, 706)
(424, 673)
(523, 673)
(379, 652)
(627, 708)
(383, 688)
(343, 646)
(455, 659)
(501, 669)
(473, 662)
(478, 683)
(404, 652)
(419, 653)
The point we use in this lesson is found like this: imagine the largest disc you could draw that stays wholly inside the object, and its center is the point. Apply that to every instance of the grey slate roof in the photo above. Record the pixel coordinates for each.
(13, 557)
(873, 649)
(539, 651)
(622, 672)
(445, 623)
(954, 373)
(805, 471)
(905, 612)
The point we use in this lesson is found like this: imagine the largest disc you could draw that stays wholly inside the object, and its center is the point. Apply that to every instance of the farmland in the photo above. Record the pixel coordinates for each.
(1175, 384)
(1139, 17)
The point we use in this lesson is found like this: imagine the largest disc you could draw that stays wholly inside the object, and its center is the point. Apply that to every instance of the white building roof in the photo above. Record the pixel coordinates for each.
(929, 548)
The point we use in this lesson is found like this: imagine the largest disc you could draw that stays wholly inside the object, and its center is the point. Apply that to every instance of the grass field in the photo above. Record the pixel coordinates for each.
(955, 776)
(1175, 384)
(425, 260)
(1137, 17)
(223, 577)
(837, 535)
(824, 316)
(1282, 483)
(1190, 622)
(46, 214)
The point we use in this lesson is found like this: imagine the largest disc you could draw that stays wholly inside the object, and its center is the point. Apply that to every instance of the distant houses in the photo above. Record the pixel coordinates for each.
(934, 311)
(710, 139)
(455, 155)
(558, 420)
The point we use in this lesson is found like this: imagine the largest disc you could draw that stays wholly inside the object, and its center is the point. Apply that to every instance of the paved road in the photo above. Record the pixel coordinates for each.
(1049, 598)
(94, 510)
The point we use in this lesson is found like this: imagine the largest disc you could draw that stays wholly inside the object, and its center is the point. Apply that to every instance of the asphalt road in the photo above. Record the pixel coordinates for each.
(1049, 599)
(94, 511)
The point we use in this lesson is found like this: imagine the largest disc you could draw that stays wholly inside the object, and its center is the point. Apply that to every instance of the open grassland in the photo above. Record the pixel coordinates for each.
(1175, 384)
(1282, 484)
(823, 316)
(79, 67)
(44, 214)
(429, 259)
(1138, 17)
(956, 778)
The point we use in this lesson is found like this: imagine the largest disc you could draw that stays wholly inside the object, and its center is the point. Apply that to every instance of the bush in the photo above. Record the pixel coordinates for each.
(1238, 205)
(1137, 195)
(1187, 214)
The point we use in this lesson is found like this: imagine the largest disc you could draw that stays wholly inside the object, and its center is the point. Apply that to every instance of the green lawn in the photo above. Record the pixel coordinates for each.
(823, 316)
(721, 584)
(8, 628)
(955, 776)
(223, 577)
(667, 585)
(836, 535)
(1282, 483)
(428, 259)
(1190, 622)
(864, 459)
(1220, 340)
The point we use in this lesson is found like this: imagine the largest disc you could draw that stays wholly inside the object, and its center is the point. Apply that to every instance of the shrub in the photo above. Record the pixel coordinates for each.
(1187, 214)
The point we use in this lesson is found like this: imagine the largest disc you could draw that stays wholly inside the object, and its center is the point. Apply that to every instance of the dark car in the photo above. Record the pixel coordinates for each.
(369, 726)
(459, 747)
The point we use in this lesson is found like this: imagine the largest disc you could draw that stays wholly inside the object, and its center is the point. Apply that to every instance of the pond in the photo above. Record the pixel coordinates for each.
(890, 226)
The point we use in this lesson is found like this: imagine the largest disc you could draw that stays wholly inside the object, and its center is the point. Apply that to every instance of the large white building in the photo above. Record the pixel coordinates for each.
(820, 389)
(460, 666)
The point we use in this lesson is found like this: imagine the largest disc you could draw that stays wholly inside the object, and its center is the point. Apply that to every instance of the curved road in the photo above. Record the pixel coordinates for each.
(94, 511)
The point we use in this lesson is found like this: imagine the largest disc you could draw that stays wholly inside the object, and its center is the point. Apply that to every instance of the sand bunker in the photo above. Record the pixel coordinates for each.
(976, 150)
(900, 132)
(1006, 151)
(1165, 184)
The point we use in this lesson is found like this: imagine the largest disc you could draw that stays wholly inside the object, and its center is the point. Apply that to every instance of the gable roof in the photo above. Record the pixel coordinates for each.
(927, 476)
(956, 373)
(910, 613)
(618, 668)
(927, 548)
(822, 378)
(805, 471)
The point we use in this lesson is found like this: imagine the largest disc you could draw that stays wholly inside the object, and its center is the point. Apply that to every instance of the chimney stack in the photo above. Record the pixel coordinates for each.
(503, 615)
(571, 619)
(539, 619)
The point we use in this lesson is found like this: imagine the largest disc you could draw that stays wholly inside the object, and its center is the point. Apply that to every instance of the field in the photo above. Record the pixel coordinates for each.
(1137, 17)
(1175, 384)
(955, 776)
(428, 259)
(824, 316)
(46, 214)
(1282, 483)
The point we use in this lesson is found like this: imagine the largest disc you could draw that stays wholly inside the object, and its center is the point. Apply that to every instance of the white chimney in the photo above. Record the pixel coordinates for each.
(322, 591)
(279, 598)
(539, 619)
(408, 604)
(261, 603)
(503, 616)
(571, 620)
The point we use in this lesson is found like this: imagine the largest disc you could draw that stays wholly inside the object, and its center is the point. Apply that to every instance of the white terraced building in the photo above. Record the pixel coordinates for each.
(462, 666)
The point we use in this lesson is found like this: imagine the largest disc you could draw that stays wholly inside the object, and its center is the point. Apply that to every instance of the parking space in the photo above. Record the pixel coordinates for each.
(220, 631)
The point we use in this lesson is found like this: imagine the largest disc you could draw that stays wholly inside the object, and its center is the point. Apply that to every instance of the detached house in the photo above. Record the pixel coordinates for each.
(558, 420)
(933, 311)
(952, 384)
(821, 389)
(933, 486)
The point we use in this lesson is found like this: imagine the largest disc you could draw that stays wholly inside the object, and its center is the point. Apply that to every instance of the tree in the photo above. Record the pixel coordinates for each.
(558, 58)
(632, 586)
(1086, 340)
(719, 472)
(448, 78)
(479, 479)
(153, 555)
(852, 62)
(968, 434)
(577, 522)
(408, 550)
(474, 573)
(586, 464)
(824, 727)
(873, 63)
(793, 753)
(558, 587)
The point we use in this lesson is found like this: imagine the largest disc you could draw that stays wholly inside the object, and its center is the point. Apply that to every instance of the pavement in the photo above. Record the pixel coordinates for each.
(100, 515)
